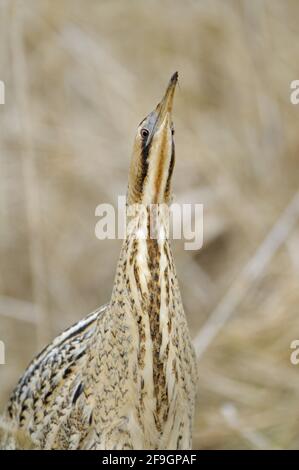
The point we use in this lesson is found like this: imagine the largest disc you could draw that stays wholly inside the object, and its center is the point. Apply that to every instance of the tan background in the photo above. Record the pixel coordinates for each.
(80, 75)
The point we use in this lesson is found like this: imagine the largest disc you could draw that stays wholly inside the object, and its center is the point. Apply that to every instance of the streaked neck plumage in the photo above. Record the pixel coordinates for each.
(146, 287)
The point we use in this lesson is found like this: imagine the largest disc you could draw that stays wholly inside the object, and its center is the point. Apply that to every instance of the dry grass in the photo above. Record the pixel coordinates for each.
(79, 77)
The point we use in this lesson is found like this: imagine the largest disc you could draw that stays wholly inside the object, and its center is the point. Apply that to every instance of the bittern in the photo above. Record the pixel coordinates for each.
(124, 377)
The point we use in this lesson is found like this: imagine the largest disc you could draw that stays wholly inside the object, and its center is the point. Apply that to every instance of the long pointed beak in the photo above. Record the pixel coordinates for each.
(164, 108)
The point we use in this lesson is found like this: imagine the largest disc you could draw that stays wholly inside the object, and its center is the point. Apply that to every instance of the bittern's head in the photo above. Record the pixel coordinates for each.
(153, 154)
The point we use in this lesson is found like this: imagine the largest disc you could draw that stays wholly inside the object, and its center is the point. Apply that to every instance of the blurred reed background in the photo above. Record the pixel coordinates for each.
(79, 77)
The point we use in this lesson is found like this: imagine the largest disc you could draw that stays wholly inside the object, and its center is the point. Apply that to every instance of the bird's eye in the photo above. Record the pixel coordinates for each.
(172, 131)
(144, 133)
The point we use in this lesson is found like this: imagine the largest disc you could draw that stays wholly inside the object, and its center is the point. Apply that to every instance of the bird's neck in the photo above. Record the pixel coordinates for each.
(146, 265)
(146, 295)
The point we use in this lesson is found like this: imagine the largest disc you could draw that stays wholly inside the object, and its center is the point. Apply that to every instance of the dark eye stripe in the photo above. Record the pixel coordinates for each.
(144, 162)
(170, 170)
(144, 153)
